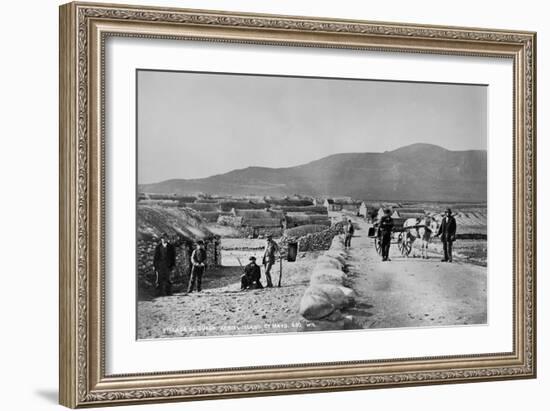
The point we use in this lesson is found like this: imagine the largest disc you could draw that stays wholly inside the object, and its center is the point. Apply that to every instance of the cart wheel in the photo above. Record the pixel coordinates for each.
(377, 246)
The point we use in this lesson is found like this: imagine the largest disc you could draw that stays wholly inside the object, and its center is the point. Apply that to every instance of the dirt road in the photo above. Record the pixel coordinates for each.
(413, 292)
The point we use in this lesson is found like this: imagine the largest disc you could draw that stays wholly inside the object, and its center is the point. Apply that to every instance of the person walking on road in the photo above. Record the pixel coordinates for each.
(385, 232)
(447, 231)
(164, 261)
(349, 231)
(198, 263)
(271, 252)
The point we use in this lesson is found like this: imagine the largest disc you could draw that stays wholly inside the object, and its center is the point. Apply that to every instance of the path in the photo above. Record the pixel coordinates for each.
(412, 292)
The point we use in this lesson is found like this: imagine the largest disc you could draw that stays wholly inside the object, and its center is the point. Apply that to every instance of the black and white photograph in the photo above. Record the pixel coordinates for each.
(284, 204)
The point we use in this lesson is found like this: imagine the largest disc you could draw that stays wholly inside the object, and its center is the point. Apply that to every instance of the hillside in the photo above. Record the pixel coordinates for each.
(421, 172)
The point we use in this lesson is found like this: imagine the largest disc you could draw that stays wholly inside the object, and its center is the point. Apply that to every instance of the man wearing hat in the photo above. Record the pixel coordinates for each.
(251, 276)
(198, 262)
(385, 230)
(447, 231)
(271, 252)
(163, 262)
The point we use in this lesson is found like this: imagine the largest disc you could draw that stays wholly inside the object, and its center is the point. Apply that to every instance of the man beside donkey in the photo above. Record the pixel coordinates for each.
(198, 264)
(447, 231)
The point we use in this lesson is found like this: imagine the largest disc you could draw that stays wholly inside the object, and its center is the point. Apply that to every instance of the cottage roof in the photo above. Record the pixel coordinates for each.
(304, 209)
(242, 205)
(262, 222)
(152, 221)
(297, 202)
(202, 206)
(300, 219)
(253, 213)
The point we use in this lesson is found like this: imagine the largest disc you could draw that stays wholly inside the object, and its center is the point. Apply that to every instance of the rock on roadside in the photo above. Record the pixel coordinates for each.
(326, 294)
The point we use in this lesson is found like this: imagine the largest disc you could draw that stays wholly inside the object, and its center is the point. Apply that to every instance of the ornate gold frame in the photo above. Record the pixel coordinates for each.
(83, 30)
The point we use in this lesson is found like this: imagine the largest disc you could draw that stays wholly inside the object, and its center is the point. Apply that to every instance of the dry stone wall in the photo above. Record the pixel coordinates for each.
(318, 241)
(327, 294)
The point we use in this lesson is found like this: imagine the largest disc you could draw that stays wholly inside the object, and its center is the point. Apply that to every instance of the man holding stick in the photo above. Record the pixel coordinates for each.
(198, 263)
(271, 252)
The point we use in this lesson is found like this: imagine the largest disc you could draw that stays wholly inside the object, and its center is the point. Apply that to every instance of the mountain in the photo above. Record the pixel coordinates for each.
(418, 172)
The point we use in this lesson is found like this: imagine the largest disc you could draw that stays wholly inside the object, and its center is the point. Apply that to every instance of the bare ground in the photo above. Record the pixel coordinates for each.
(222, 309)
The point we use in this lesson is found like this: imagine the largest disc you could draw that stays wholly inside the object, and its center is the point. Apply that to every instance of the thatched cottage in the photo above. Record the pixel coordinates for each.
(289, 202)
(260, 223)
(242, 205)
(202, 207)
(184, 228)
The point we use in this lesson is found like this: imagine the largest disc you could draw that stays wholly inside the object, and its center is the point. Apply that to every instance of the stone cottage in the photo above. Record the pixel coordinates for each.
(184, 227)
(260, 223)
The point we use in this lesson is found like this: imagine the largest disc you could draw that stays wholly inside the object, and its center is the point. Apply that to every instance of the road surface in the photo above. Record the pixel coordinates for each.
(413, 292)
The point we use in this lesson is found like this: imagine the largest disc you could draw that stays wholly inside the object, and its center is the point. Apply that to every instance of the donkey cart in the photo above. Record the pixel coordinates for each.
(400, 237)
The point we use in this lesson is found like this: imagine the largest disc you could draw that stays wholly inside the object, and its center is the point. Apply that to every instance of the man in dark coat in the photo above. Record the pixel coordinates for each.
(164, 261)
(251, 276)
(385, 232)
(447, 231)
(349, 230)
(198, 265)
(271, 252)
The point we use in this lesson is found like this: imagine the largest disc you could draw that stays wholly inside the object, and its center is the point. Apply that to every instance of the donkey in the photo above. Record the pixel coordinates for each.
(422, 228)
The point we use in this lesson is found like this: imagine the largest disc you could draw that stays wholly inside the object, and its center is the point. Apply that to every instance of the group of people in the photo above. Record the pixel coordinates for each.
(251, 278)
(164, 261)
(446, 231)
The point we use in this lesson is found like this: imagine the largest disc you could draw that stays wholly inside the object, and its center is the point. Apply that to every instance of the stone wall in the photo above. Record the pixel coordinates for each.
(318, 241)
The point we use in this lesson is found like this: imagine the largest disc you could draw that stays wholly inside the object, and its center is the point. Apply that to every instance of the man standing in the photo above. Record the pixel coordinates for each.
(198, 263)
(447, 231)
(163, 262)
(349, 230)
(271, 252)
(251, 276)
(385, 231)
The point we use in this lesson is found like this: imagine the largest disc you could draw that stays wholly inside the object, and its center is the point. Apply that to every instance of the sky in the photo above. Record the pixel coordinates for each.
(194, 125)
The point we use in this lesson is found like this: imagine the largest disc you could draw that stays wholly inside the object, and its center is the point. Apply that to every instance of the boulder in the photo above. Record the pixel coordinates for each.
(350, 295)
(329, 261)
(314, 306)
(327, 276)
(331, 292)
(338, 255)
